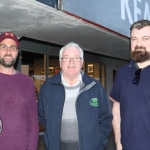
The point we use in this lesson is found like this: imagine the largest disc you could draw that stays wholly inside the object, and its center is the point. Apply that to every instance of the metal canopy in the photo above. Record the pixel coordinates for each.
(35, 20)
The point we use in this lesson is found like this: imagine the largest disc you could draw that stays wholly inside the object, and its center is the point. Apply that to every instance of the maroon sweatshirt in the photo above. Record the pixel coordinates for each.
(18, 113)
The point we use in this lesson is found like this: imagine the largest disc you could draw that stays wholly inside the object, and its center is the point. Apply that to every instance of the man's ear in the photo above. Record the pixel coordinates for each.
(82, 64)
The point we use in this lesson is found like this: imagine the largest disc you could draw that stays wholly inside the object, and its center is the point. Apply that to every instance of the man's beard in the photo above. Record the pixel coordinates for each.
(7, 64)
(140, 54)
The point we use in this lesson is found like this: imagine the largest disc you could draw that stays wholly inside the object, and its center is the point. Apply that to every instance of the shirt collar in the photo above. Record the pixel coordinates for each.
(67, 84)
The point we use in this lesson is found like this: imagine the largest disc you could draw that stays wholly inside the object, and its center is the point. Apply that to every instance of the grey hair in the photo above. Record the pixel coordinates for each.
(140, 24)
(71, 44)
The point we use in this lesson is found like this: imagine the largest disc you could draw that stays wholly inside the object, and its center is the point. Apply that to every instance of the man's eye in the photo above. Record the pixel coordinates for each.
(3, 46)
(13, 48)
(133, 39)
(146, 38)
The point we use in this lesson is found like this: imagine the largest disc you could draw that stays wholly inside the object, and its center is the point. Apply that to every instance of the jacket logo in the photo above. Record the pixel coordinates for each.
(94, 102)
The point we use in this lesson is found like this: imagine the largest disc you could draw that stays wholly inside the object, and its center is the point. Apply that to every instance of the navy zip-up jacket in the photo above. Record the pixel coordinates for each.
(93, 113)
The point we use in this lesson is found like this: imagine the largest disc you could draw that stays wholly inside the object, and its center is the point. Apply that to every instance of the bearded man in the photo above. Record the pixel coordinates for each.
(18, 108)
(131, 93)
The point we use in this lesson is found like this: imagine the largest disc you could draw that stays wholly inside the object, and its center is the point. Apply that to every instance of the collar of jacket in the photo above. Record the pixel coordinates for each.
(85, 78)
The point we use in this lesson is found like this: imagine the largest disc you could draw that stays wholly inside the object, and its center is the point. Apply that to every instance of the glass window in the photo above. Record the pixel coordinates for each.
(97, 71)
(32, 64)
(54, 66)
(93, 70)
(103, 80)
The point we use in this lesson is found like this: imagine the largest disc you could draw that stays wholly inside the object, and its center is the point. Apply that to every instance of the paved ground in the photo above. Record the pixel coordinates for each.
(110, 145)
(41, 143)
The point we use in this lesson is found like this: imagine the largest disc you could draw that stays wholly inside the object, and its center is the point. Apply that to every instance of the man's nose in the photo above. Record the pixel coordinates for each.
(71, 59)
(8, 50)
(139, 42)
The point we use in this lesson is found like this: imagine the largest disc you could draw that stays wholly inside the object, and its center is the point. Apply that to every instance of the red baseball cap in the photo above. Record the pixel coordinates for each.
(9, 35)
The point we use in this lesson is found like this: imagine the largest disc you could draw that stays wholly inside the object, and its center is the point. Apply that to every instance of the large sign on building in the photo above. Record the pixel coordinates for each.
(117, 15)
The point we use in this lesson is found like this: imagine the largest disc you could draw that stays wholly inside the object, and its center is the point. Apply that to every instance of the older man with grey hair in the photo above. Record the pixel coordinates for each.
(73, 107)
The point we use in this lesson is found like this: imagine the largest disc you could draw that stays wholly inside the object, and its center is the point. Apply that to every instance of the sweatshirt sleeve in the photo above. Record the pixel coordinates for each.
(105, 118)
(32, 122)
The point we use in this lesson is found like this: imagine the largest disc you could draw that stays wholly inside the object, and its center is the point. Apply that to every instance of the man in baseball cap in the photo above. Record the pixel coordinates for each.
(8, 52)
(9, 35)
(19, 126)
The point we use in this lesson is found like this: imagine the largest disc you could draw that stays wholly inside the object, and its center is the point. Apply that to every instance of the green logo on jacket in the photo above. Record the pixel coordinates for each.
(94, 102)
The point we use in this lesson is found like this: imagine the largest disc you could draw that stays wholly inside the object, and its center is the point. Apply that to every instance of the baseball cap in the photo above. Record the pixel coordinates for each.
(9, 35)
